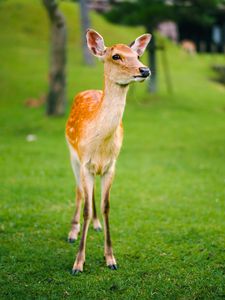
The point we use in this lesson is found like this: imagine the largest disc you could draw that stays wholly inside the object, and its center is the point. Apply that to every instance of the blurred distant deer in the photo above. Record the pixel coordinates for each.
(33, 102)
(188, 46)
(94, 133)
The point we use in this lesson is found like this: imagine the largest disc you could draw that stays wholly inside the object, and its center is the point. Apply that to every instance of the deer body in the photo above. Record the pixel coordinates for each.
(94, 134)
(100, 139)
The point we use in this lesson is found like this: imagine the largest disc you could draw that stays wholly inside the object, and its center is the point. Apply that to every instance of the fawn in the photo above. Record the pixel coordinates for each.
(94, 134)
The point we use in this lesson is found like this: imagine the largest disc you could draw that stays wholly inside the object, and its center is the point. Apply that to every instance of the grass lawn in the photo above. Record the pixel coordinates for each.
(167, 201)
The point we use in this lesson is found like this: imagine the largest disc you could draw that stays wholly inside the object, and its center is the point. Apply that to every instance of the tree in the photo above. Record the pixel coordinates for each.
(56, 99)
(196, 18)
(85, 24)
(200, 13)
(146, 13)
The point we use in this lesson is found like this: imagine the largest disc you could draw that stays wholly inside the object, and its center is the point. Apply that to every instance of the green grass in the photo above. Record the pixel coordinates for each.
(167, 202)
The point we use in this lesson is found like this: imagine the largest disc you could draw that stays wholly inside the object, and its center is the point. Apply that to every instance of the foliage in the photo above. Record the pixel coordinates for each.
(167, 205)
(197, 13)
(149, 13)
(142, 12)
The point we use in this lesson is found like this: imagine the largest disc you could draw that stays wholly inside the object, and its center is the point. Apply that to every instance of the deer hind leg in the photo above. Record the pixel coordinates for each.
(106, 182)
(88, 184)
(75, 229)
(96, 223)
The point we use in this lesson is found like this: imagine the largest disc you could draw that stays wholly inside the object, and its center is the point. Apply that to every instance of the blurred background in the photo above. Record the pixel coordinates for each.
(167, 210)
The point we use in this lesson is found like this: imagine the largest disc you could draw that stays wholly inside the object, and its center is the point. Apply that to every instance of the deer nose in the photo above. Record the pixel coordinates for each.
(145, 72)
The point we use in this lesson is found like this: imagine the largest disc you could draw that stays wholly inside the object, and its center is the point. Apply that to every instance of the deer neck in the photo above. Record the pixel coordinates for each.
(113, 105)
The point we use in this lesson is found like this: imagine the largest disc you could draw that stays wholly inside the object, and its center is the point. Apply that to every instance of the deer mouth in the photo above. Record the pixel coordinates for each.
(140, 78)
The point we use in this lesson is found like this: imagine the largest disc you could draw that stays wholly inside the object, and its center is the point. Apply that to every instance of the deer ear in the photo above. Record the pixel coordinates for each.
(95, 43)
(139, 45)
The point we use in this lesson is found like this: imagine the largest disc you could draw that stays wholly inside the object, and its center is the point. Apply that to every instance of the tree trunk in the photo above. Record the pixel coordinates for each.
(56, 99)
(85, 24)
(152, 63)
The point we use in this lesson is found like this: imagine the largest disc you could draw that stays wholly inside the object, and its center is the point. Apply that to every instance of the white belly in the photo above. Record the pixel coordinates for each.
(100, 152)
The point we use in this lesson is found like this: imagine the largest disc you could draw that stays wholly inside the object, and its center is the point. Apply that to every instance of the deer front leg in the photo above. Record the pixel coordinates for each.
(88, 183)
(96, 223)
(106, 183)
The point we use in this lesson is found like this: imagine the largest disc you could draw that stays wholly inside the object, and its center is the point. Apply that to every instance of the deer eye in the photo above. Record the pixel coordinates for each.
(116, 57)
(138, 57)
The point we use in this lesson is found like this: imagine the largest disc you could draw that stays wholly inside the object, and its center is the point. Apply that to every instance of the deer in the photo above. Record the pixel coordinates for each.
(94, 134)
(188, 46)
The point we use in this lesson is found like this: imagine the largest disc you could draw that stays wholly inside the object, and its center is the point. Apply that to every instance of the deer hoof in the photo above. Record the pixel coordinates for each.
(97, 225)
(112, 267)
(98, 229)
(75, 272)
(71, 241)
